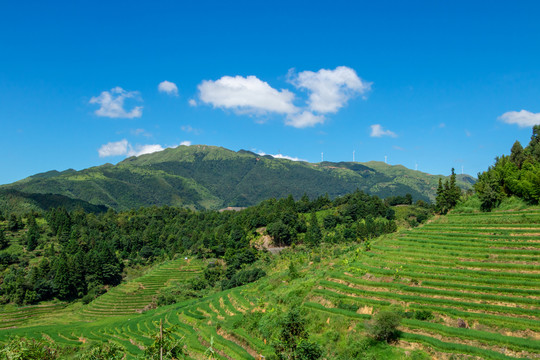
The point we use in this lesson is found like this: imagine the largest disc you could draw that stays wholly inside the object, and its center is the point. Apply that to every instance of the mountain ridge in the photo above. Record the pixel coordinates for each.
(212, 177)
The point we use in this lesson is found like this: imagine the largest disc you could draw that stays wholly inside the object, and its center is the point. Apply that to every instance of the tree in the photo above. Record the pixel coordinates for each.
(14, 223)
(313, 234)
(447, 195)
(32, 235)
(383, 326)
(4, 242)
(62, 280)
(534, 145)
(517, 155)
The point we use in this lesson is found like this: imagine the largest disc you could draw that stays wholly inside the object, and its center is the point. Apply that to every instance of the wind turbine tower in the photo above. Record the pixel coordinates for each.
(353, 156)
(322, 157)
(385, 159)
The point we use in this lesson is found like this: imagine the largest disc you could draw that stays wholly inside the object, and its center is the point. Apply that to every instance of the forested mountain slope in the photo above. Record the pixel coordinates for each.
(209, 177)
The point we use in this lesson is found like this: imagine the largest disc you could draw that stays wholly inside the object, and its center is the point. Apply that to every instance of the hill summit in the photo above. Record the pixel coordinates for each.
(210, 177)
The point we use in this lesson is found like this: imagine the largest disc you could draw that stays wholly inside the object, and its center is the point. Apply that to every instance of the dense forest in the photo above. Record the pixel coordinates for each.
(77, 254)
(210, 178)
(517, 174)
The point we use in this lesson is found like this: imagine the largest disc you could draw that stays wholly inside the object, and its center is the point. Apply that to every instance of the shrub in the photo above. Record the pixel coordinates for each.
(306, 350)
(104, 351)
(383, 326)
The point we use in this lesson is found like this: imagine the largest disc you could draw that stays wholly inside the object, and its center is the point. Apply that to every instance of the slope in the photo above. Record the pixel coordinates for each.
(464, 284)
(209, 177)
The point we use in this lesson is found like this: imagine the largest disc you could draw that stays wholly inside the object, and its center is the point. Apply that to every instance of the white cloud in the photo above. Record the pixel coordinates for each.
(246, 95)
(144, 149)
(114, 148)
(168, 87)
(192, 102)
(521, 118)
(304, 119)
(330, 89)
(280, 156)
(112, 103)
(124, 148)
(378, 131)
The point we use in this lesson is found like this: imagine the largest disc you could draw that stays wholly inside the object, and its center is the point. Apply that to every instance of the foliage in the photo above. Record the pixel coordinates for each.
(30, 349)
(292, 340)
(103, 351)
(79, 254)
(383, 326)
(208, 177)
(447, 195)
(515, 175)
(165, 344)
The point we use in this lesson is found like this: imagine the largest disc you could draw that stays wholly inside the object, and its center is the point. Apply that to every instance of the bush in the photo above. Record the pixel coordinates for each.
(21, 348)
(383, 326)
(306, 350)
(104, 351)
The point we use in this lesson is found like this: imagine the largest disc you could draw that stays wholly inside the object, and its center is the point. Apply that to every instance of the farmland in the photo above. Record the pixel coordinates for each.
(465, 285)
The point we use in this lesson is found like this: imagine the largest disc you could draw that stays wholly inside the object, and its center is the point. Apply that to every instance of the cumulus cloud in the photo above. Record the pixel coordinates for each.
(521, 118)
(304, 119)
(168, 87)
(246, 95)
(114, 148)
(330, 89)
(124, 148)
(378, 131)
(280, 156)
(112, 103)
(192, 102)
(144, 149)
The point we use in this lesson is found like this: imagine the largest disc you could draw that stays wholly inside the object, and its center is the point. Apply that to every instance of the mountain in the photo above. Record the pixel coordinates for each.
(14, 201)
(209, 177)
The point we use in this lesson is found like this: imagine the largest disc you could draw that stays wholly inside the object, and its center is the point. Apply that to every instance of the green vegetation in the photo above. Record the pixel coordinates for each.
(208, 177)
(515, 175)
(339, 301)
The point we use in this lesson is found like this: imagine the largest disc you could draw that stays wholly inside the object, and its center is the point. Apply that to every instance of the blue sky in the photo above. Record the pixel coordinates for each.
(437, 84)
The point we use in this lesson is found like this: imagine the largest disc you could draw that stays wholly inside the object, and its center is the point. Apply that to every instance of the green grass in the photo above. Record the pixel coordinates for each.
(482, 268)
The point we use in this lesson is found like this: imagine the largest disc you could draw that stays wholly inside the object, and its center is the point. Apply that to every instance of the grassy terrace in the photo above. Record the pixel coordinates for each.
(478, 275)
(482, 269)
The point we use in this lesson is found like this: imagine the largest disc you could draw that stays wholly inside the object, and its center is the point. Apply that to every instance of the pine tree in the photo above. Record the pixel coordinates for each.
(454, 191)
(32, 235)
(517, 154)
(440, 202)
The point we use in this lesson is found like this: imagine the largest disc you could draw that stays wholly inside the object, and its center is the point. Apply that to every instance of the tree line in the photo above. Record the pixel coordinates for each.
(76, 254)
(517, 174)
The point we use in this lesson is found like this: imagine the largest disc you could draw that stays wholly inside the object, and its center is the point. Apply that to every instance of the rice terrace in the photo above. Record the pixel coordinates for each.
(284, 180)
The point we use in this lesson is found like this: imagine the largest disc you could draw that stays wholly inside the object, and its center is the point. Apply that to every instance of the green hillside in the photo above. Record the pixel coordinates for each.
(208, 177)
(465, 285)
(15, 201)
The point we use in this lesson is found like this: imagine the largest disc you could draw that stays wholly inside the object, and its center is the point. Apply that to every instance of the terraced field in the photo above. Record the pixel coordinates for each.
(139, 295)
(478, 275)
